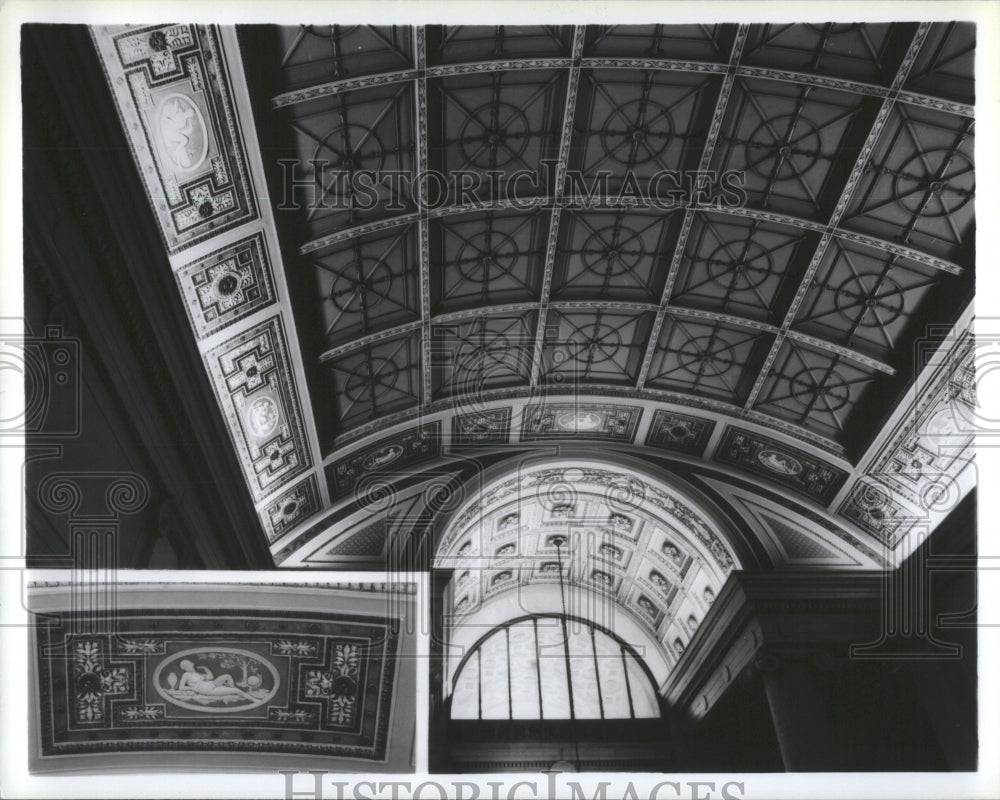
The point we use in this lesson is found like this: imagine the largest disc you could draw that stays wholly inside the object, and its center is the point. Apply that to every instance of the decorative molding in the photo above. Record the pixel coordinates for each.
(252, 381)
(485, 427)
(227, 285)
(384, 459)
(173, 95)
(679, 432)
(794, 469)
(582, 420)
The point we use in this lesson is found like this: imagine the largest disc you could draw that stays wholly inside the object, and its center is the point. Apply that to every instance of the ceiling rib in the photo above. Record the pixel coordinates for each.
(452, 402)
(864, 156)
(332, 88)
(706, 159)
(611, 306)
(423, 232)
(565, 142)
(612, 203)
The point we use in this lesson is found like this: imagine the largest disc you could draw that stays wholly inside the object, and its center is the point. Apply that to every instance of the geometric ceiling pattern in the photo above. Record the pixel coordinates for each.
(569, 240)
(723, 241)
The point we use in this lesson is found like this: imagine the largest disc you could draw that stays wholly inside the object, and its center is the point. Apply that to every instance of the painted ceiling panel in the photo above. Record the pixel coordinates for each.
(173, 678)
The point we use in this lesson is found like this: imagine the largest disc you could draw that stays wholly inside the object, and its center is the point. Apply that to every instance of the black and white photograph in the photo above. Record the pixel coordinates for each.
(494, 401)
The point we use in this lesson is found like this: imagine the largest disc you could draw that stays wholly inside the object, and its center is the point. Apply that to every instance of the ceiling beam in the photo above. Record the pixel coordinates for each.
(423, 232)
(612, 203)
(332, 88)
(715, 128)
(552, 244)
(857, 172)
(611, 307)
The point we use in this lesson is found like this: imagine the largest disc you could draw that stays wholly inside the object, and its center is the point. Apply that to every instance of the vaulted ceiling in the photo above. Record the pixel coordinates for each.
(719, 242)
(800, 304)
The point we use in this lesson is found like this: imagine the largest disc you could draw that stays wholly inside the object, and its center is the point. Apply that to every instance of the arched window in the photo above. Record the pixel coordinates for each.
(552, 667)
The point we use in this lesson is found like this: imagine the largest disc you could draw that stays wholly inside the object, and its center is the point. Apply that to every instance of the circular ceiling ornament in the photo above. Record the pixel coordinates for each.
(783, 148)
(486, 256)
(348, 148)
(377, 376)
(363, 291)
(880, 299)
(636, 132)
(706, 356)
(831, 389)
(596, 343)
(494, 135)
(604, 254)
(935, 183)
(746, 272)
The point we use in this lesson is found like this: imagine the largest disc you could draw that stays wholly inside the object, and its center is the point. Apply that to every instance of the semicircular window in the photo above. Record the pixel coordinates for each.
(551, 667)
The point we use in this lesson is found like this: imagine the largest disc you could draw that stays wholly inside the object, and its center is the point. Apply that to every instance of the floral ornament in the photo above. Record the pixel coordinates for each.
(136, 713)
(285, 647)
(94, 681)
(284, 715)
(145, 646)
(339, 685)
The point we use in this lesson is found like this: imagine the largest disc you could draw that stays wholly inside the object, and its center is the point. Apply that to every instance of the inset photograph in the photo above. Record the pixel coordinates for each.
(186, 676)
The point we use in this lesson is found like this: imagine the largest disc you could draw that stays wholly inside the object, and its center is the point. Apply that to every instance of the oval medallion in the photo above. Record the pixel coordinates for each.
(182, 132)
(779, 462)
(216, 679)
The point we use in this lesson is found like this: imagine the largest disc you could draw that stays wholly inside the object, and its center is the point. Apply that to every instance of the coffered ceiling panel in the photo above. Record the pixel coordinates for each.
(487, 259)
(743, 267)
(613, 255)
(862, 52)
(632, 125)
(702, 356)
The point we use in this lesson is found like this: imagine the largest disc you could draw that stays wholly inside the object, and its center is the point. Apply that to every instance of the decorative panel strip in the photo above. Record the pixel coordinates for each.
(780, 463)
(227, 285)
(679, 432)
(176, 106)
(557, 420)
(385, 459)
(251, 377)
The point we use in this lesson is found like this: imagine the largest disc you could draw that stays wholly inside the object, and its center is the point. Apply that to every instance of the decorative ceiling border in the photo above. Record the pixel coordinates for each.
(923, 463)
(180, 92)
